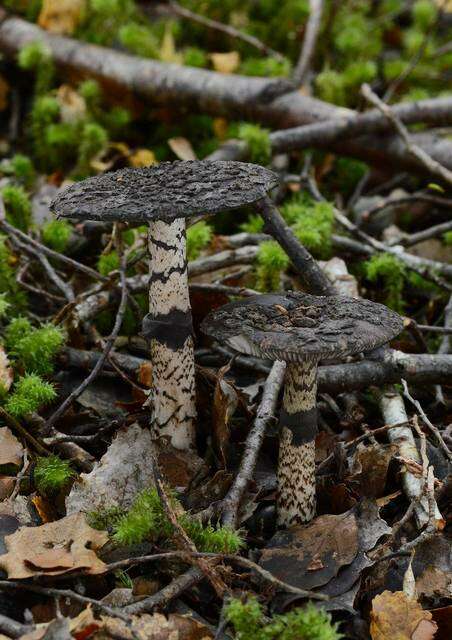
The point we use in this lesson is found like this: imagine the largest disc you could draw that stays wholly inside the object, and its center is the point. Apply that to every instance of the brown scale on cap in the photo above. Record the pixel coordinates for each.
(166, 191)
(297, 325)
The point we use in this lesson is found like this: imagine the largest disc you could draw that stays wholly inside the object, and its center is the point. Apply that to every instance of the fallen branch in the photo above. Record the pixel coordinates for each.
(309, 42)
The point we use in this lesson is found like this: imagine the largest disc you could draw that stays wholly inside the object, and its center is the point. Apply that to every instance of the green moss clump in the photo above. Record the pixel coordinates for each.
(17, 329)
(312, 223)
(424, 13)
(44, 112)
(108, 262)
(52, 474)
(258, 141)
(93, 141)
(104, 19)
(21, 167)
(29, 394)
(139, 39)
(36, 57)
(4, 305)
(56, 234)
(198, 237)
(36, 350)
(330, 86)
(447, 238)
(18, 206)
(91, 92)
(115, 120)
(105, 519)
(195, 57)
(358, 72)
(254, 224)
(391, 272)
(272, 262)
(307, 623)
(147, 519)
(265, 67)
(8, 284)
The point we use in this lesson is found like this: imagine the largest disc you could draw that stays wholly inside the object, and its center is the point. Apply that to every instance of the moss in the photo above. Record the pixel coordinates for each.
(36, 349)
(198, 237)
(91, 92)
(56, 234)
(195, 57)
(93, 140)
(424, 13)
(52, 475)
(44, 112)
(29, 394)
(8, 284)
(108, 262)
(139, 39)
(104, 18)
(258, 141)
(254, 224)
(307, 623)
(330, 86)
(447, 238)
(312, 223)
(272, 262)
(36, 57)
(391, 272)
(21, 167)
(358, 72)
(4, 305)
(357, 35)
(115, 120)
(147, 519)
(265, 67)
(17, 206)
(105, 519)
(17, 329)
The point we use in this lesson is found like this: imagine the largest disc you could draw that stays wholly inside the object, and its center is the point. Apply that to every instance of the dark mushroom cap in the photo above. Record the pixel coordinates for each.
(166, 191)
(297, 326)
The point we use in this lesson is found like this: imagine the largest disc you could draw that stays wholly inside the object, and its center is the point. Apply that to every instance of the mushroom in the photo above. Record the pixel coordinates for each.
(162, 197)
(300, 329)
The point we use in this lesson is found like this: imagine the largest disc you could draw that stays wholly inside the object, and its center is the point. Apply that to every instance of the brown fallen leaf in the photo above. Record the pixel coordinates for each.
(157, 627)
(225, 401)
(395, 616)
(61, 16)
(58, 547)
(308, 556)
(11, 452)
(370, 467)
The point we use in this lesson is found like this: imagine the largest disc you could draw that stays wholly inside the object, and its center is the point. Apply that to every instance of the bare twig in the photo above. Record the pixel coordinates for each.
(432, 165)
(309, 41)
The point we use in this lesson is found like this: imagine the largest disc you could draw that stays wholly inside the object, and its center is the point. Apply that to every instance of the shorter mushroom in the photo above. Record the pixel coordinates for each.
(301, 329)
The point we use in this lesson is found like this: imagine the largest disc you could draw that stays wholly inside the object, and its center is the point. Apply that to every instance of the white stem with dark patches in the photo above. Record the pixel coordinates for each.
(169, 327)
(298, 424)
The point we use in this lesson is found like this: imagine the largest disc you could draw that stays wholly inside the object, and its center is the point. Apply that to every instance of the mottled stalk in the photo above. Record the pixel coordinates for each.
(298, 429)
(169, 327)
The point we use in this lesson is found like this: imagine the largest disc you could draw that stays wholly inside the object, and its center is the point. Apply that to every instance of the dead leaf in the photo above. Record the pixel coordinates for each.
(157, 627)
(72, 105)
(225, 62)
(4, 91)
(225, 401)
(119, 475)
(11, 452)
(369, 468)
(394, 616)
(61, 16)
(55, 548)
(6, 372)
(182, 148)
(178, 467)
(7, 484)
(308, 556)
(168, 52)
(142, 158)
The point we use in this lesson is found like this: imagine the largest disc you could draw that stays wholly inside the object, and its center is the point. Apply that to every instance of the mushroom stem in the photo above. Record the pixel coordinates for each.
(169, 328)
(298, 428)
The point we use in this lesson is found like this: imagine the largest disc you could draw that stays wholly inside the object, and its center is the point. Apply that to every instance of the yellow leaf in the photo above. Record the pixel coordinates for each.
(61, 16)
(182, 148)
(168, 51)
(72, 105)
(142, 158)
(225, 62)
(395, 616)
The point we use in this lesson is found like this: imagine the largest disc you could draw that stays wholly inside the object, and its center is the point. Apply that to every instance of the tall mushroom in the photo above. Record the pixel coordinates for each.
(163, 196)
(300, 329)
